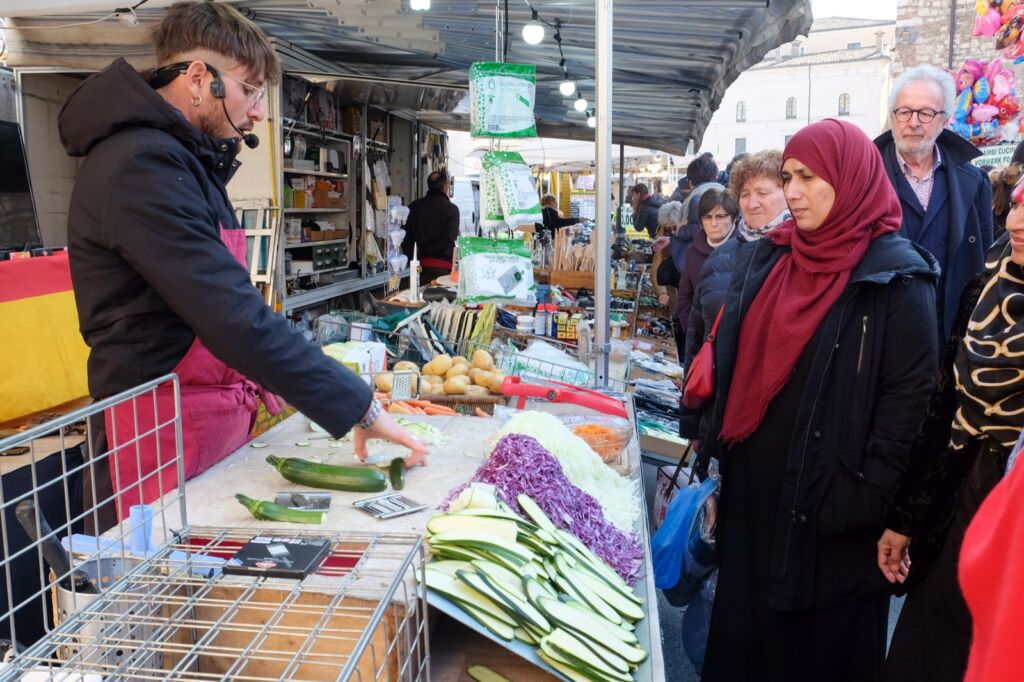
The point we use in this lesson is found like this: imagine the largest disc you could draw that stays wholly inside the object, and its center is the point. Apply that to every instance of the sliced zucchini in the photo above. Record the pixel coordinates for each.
(485, 542)
(614, 598)
(500, 528)
(461, 594)
(511, 581)
(589, 623)
(519, 609)
(483, 674)
(562, 666)
(568, 582)
(449, 566)
(536, 514)
(576, 652)
(525, 636)
(496, 626)
(529, 613)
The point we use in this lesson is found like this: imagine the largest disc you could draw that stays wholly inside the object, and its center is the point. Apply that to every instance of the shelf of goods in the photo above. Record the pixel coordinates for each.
(319, 174)
(322, 242)
(466, 564)
(352, 284)
(341, 209)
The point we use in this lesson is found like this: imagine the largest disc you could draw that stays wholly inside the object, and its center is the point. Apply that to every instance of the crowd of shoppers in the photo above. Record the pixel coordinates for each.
(869, 374)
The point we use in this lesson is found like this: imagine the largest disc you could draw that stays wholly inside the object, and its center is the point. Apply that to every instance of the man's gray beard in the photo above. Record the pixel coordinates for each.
(919, 148)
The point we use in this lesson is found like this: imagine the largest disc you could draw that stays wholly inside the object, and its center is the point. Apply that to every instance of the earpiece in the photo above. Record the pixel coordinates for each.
(217, 87)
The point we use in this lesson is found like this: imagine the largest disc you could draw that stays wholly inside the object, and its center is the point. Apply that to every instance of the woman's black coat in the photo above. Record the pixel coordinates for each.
(873, 369)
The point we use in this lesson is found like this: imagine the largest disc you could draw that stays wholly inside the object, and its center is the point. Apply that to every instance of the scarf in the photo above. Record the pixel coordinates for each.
(808, 279)
(989, 366)
(751, 234)
(715, 245)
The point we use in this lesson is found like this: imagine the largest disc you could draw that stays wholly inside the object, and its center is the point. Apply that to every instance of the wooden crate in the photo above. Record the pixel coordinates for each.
(569, 279)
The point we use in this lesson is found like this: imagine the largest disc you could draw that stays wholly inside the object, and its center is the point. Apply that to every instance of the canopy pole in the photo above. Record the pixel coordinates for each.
(622, 189)
(603, 189)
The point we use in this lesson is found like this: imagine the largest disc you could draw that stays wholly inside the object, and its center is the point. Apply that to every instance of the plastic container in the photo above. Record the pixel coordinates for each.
(607, 436)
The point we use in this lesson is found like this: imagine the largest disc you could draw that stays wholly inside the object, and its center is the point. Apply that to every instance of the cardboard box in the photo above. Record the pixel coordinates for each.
(362, 357)
(352, 120)
(326, 198)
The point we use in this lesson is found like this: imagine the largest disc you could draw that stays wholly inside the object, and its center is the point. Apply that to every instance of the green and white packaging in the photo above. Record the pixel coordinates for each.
(501, 100)
(517, 189)
(491, 215)
(495, 270)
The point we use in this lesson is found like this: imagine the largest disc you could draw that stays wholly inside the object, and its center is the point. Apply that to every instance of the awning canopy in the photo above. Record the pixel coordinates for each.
(673, 59)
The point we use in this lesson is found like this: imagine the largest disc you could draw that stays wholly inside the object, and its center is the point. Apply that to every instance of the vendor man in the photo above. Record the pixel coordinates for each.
(158, 257)
(433, 226)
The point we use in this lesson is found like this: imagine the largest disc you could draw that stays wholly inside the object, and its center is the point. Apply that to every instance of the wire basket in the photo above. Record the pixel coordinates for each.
(126, 606)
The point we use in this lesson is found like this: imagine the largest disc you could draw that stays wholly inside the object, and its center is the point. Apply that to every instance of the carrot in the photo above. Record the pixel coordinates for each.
(439, 411)
(399, 408)
(481, 413)
(418, 403)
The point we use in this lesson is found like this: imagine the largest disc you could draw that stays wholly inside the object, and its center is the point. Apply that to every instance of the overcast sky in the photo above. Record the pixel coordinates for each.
(862, 9)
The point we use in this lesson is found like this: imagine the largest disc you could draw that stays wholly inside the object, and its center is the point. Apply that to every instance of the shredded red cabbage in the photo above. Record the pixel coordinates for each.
(519, 464)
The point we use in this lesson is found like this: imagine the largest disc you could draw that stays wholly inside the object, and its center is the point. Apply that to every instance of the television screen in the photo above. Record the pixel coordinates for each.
(18, 227)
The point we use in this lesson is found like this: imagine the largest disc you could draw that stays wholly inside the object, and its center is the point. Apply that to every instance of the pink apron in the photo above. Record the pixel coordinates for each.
(218, 411)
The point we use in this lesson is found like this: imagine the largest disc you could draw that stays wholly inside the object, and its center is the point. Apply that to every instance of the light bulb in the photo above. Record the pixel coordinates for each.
(580, 105)
(567, 88)
(533, 32)
(592, 121)
(419, 5)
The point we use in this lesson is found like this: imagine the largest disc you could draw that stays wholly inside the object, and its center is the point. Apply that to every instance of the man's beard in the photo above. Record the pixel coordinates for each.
(214, 122)
(914, 147)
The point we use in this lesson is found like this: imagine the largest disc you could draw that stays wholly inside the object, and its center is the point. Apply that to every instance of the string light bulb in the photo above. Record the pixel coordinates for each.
(580, 105)
(591, 119)
(419, 5)
(567, 88)
(533, 31)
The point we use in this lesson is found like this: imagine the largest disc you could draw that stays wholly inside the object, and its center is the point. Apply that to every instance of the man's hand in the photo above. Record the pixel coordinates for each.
(659, 244)
(386, 428)
(893, 557)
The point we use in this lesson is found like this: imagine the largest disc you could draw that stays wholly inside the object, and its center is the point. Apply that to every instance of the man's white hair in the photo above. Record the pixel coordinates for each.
(929, 74)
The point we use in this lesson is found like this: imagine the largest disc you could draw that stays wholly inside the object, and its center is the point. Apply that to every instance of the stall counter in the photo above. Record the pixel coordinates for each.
(210, 497)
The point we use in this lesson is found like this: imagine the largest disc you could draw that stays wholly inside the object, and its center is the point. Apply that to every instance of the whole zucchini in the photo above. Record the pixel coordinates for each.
(329, 476)
(269, 511)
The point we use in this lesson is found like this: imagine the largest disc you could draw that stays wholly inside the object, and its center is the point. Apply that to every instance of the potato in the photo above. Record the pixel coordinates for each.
(459, 360)
(427, 388)
(473, 373)
(497, 379)
(432, 379)
(442, 363)
(405, 366)
(483, 360)
(457, 370)
(383, 382)
(456, 385)
(477, 390)
(483, 378)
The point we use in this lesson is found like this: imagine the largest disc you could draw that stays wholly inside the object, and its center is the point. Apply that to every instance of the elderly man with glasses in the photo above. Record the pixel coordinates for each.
(946, 200)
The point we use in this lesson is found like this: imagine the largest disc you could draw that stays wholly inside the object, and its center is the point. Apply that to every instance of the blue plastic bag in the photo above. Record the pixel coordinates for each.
(670, 544)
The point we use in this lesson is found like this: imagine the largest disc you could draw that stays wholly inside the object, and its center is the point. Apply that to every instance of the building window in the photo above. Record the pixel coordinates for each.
(741, 146)
(844, 104)
(741, 111)
(852, 46)
(791, 107)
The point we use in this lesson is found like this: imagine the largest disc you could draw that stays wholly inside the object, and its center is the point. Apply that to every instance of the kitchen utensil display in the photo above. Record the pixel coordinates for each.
(58, 560)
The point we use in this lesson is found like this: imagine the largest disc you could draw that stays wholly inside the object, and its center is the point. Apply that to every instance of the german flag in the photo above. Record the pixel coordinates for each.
(42, 354)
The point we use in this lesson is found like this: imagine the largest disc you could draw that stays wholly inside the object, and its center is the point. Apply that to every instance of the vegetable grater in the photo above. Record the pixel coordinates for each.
(388, 506)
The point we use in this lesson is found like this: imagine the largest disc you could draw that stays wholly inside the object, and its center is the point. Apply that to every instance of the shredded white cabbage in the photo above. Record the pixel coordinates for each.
(617, 495)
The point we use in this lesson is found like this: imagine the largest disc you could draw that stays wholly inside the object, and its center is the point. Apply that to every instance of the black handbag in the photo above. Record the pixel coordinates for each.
(667, 275)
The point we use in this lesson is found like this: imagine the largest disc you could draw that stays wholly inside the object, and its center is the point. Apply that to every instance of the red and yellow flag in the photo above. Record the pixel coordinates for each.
(42, 354)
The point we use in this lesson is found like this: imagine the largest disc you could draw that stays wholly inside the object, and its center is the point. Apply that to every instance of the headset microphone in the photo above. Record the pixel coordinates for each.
(250, 139)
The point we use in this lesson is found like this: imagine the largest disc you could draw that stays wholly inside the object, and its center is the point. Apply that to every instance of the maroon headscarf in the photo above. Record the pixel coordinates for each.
(805, 282)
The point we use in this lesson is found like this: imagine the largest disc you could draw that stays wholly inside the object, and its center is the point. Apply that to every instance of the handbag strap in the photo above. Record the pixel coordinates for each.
(682, 460)
(714, 327)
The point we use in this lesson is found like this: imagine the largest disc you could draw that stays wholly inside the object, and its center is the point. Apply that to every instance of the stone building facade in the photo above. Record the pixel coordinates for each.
(931, 32)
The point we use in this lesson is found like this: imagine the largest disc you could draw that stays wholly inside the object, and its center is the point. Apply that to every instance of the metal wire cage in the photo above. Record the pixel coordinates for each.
(130, 606)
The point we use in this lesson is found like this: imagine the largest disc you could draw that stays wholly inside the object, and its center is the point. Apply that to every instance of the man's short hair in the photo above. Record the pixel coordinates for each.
(217, 27)
(928, 74)
(702, 169)
(641, 189)
(437, 180)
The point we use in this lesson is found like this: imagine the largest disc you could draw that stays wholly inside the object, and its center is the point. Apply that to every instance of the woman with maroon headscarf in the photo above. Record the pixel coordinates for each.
(825, 358)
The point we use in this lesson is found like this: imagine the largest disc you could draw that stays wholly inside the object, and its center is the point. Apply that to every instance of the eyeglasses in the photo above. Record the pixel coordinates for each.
(254, 94)
(716, 217)
(904, 114)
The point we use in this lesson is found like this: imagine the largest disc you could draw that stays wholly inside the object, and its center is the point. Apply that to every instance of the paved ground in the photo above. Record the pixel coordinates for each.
(677, 666)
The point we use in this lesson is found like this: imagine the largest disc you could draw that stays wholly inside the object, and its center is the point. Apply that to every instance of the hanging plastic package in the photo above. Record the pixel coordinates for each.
(517, 189)
(491, 217)
(501, 100)
(495, 270)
